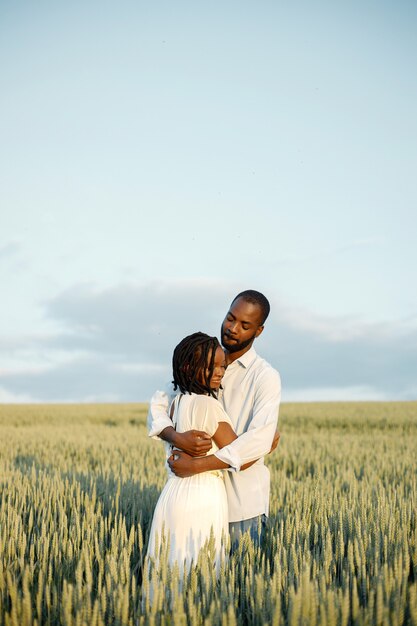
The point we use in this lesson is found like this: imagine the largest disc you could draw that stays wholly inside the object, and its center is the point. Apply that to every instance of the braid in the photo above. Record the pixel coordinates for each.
(194, 354)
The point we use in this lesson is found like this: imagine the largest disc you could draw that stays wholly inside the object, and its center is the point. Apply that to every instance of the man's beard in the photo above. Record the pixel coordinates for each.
(234, 346)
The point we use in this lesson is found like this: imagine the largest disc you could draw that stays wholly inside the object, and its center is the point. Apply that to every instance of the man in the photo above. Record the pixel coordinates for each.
(250, 394)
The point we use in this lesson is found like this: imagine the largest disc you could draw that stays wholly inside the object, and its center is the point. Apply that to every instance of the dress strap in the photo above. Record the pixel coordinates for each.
(174, 409)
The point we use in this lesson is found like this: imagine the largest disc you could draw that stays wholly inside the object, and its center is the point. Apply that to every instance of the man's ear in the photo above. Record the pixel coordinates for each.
(259, 331)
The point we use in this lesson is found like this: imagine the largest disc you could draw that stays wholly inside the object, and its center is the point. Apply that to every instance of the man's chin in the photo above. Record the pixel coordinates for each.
(235, 346)
(231, 347)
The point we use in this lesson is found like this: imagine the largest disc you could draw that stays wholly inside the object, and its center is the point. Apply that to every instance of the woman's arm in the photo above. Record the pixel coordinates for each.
(194, 442)
(184, 465)
(225, 435)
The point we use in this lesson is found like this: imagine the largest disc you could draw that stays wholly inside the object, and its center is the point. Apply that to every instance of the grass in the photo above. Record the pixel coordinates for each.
(78, 484)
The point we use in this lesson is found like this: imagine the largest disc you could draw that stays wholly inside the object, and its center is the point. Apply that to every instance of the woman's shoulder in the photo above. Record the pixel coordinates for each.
(200, 399)
(205, 413)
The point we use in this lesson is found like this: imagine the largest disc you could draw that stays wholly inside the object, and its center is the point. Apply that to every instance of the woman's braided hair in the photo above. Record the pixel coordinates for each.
(193, 359)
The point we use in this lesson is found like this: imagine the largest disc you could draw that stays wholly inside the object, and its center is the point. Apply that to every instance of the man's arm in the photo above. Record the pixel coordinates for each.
(260, 438)
(158, 418)
(194, 442)
(184, 465)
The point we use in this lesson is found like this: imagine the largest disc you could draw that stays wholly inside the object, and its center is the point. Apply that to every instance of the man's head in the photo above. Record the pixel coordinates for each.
(244, 321)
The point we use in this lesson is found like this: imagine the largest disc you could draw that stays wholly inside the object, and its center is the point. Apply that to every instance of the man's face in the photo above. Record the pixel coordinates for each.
(242, 324)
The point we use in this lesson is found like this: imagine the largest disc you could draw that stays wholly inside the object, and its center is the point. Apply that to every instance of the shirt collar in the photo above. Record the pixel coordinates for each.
(247, 358)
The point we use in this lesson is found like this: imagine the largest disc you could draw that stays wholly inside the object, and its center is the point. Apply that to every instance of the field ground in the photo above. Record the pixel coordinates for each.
(78, 484)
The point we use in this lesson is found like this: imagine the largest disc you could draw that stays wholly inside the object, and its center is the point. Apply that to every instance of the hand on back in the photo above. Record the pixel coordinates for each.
(193, 442)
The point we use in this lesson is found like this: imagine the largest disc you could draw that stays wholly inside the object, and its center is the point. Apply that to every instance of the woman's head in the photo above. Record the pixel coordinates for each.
(198, 364)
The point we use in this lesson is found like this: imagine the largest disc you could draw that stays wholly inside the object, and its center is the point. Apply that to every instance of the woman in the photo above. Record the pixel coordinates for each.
(191, 510)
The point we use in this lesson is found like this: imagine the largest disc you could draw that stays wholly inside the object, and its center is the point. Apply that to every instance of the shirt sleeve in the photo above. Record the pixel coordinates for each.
(257, 440)
(158, 418)
(208, 414)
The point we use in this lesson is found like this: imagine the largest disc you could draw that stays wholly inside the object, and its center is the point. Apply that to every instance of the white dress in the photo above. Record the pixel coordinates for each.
(190, 509)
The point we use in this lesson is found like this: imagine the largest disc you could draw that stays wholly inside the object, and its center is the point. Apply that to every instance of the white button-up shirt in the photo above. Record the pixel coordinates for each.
(251, 396)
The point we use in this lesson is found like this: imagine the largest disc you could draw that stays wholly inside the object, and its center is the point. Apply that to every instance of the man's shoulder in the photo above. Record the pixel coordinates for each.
(265, 371)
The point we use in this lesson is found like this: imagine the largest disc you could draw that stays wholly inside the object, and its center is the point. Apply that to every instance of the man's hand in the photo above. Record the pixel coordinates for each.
(275, 441)
(182, 464)
(193, 442)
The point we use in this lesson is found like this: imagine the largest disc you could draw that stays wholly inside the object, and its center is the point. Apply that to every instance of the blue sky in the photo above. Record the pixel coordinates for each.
(156, 158)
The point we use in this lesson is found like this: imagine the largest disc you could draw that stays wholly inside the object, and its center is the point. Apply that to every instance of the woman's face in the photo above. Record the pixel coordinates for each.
(219, 368)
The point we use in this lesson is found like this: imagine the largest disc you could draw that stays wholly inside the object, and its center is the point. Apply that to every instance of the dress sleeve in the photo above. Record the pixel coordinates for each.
(208, 414)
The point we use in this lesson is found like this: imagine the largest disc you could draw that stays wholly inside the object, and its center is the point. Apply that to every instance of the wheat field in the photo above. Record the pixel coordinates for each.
(78, 484)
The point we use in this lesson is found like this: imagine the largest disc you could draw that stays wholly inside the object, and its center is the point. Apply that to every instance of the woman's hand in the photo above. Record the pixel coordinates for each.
(193, 442)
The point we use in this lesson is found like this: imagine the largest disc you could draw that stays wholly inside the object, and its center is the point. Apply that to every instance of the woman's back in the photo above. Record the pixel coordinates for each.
(191, 510)
(198, 412)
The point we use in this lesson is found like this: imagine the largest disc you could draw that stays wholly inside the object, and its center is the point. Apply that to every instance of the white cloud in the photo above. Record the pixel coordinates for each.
(139, 368)
(8, 397)
(345, 329)
(334, 394)
(117, 344)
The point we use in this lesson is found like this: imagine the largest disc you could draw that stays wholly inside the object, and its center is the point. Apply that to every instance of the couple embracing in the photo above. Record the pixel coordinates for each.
(218, 427)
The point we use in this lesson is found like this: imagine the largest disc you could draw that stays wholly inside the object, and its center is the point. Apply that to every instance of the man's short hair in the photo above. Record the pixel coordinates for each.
(258, 298)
